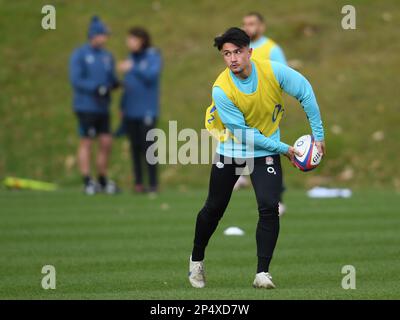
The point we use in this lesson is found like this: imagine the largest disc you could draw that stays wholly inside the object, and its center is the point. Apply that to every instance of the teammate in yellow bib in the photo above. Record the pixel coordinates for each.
(264, 48)
(246, 109)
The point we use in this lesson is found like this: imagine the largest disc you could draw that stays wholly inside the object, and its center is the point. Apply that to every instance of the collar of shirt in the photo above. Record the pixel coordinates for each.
(248, 85)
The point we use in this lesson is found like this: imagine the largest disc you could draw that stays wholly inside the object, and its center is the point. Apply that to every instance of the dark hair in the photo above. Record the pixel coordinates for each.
(141, 33)
(258, 15)
(233, 35)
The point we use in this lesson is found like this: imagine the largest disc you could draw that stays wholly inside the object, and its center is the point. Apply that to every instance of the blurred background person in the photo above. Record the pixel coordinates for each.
(263, 49)
(140, 102)
(92, 75)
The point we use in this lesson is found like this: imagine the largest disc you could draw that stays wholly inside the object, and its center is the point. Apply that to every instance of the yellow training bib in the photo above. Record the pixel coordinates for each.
(263, 52)
(262, 109)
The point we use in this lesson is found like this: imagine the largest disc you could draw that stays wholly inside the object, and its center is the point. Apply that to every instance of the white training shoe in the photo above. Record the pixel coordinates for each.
(196, 274)
(90, 188)
(110, 188)
(263, 280)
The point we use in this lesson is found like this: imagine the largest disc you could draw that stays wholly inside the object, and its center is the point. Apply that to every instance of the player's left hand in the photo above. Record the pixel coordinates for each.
(321, 147)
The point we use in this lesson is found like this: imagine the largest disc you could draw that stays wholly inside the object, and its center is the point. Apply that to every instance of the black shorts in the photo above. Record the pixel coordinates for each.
(266, 178)
(90, 125)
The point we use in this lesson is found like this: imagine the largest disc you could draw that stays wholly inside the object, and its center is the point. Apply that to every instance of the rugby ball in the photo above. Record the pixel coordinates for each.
(310, 157)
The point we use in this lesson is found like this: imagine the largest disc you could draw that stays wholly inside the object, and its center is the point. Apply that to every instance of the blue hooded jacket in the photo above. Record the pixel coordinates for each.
(90, 68)
(141, 94)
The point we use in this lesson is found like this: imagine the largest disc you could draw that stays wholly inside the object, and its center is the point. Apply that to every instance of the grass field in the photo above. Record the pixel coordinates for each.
(132, 247)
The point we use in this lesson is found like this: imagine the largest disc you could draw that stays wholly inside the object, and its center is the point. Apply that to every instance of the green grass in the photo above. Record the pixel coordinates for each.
(132, 247)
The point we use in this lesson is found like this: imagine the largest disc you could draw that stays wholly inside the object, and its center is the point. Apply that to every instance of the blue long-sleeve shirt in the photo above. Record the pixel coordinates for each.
(90, 68)
(292, 83)
(141, 94)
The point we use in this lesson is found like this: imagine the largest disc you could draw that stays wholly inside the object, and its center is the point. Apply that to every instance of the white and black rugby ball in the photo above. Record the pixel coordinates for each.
(310, 157)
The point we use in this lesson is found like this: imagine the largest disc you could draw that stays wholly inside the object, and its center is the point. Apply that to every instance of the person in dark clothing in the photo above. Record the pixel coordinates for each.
(140, 101)
(92, 76)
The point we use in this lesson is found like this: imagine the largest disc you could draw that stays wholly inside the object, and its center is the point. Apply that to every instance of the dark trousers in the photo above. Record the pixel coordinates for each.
(266, 179)
(137, 130)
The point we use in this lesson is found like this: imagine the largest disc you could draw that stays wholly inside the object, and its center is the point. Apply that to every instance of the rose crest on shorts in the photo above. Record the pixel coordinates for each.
(269, 161)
